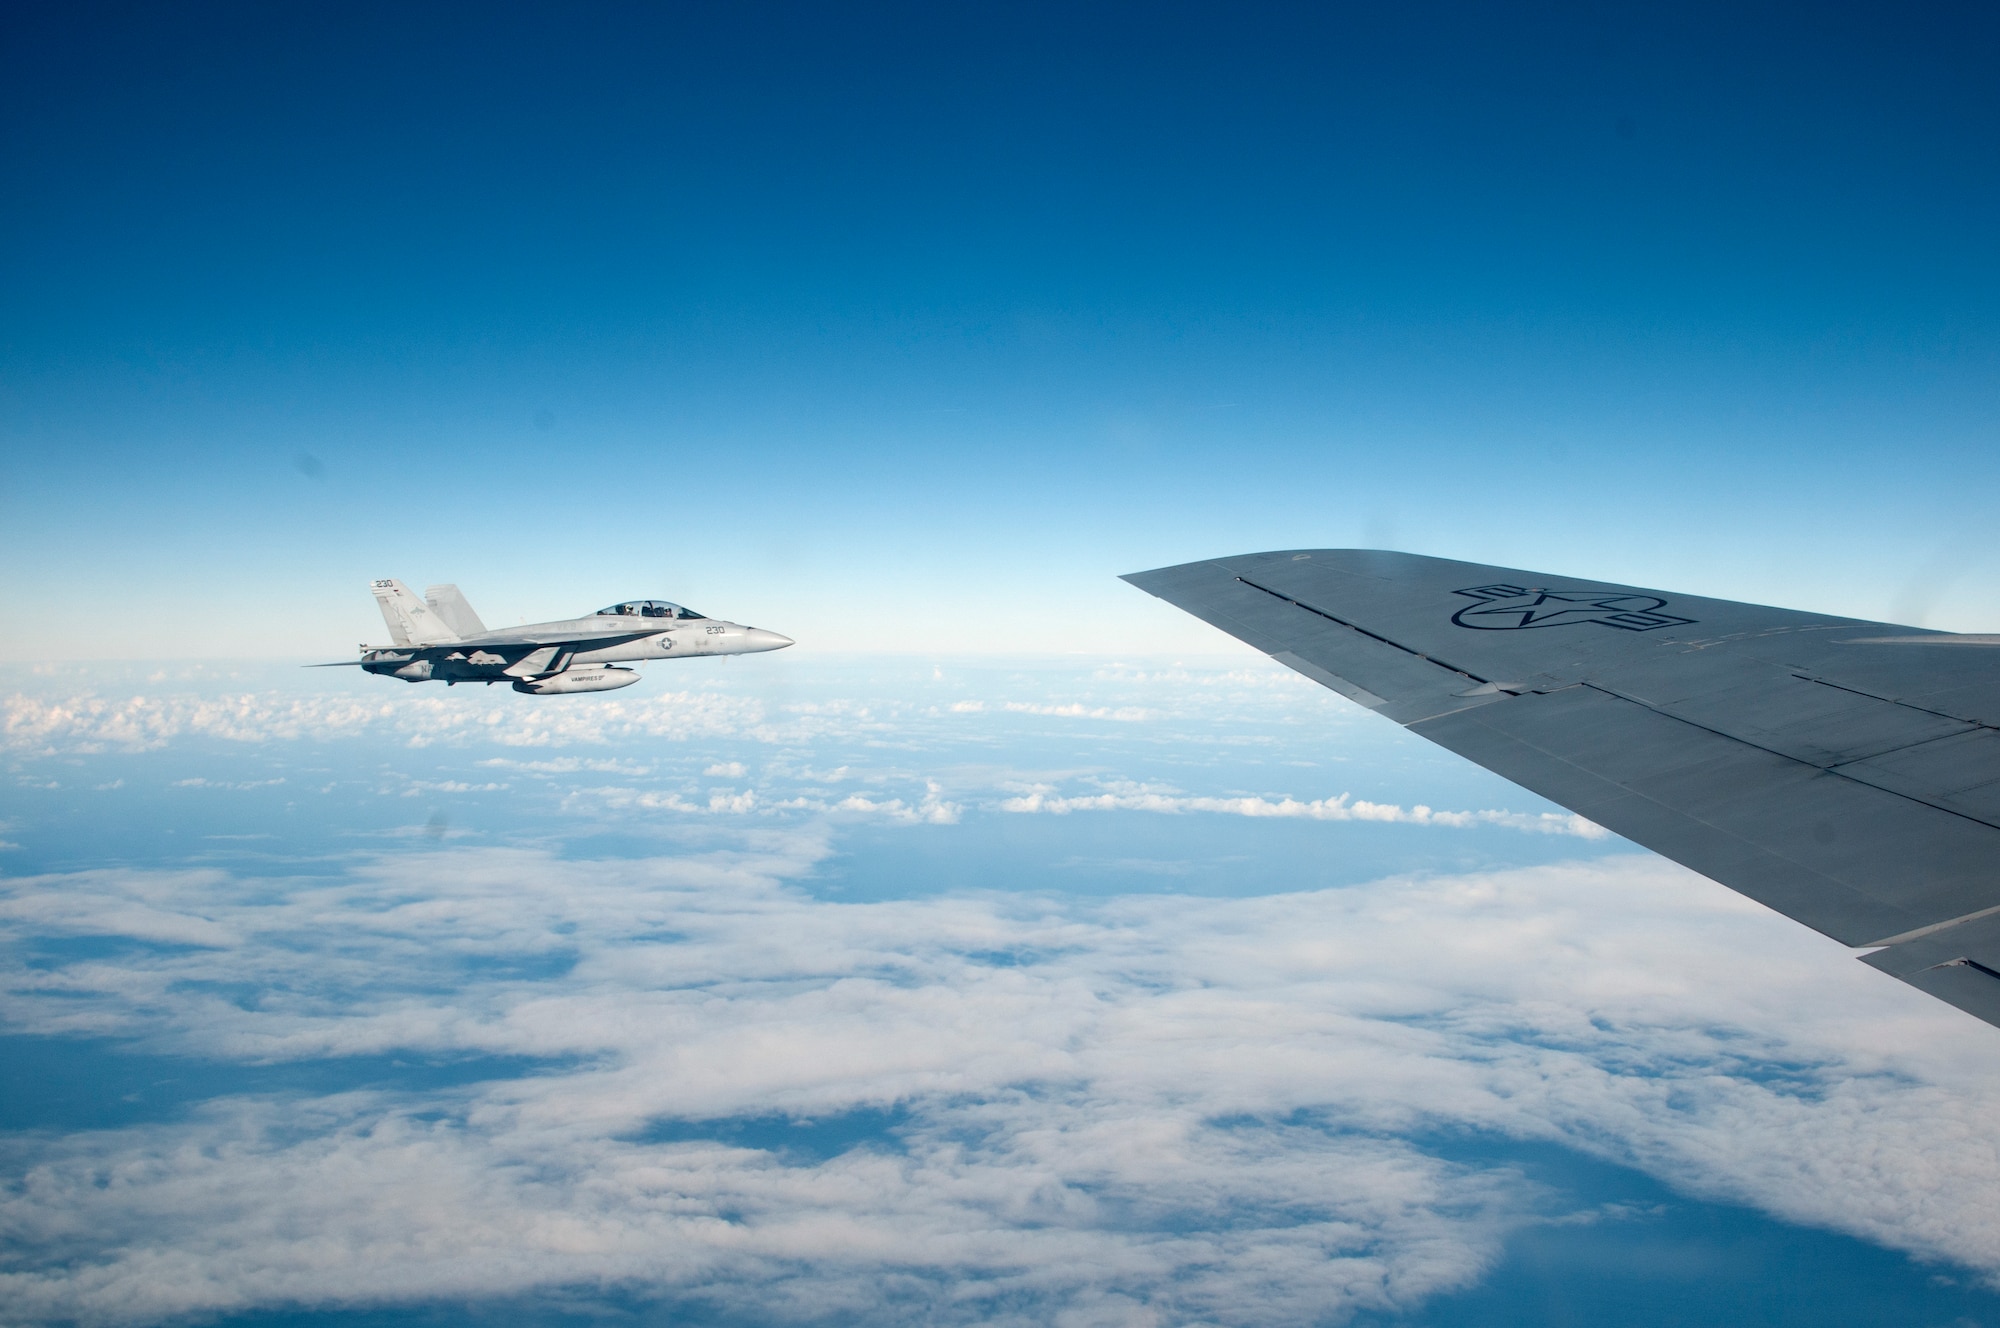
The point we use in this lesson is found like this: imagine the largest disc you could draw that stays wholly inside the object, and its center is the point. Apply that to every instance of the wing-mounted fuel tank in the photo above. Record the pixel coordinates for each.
(578, 680)
(392, 664)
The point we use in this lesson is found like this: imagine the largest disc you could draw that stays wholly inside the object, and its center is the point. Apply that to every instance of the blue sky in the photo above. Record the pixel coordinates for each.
(948, 313)
(1014, 949)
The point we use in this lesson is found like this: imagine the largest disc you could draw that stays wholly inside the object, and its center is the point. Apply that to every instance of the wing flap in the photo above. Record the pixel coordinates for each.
(1959, 964)
(1846, 859)
(1809, 720)
(1960, 773)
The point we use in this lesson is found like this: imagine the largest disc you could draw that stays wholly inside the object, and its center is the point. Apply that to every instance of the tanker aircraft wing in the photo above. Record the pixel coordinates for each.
(1844, 773)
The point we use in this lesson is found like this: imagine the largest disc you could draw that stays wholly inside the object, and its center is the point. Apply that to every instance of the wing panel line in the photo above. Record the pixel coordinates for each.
(1372, 636)
(1835, 770)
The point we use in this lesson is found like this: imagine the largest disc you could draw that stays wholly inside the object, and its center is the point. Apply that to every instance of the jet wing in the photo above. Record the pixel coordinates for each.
(1844, 773)
(515, 644)
(525, 639)
(530, 638)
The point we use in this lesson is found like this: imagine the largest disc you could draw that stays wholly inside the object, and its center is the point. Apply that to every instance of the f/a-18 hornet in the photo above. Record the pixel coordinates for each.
(440, 639)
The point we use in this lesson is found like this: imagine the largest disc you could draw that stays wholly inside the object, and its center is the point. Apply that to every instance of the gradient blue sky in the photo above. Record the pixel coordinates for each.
(832, 318)
(908, 329)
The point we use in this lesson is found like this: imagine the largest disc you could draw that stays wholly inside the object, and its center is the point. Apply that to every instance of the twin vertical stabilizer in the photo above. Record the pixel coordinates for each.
(449, 605)
(411, 621)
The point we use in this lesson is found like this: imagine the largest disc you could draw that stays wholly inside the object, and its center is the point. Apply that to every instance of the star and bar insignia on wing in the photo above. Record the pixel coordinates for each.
(1513, 608)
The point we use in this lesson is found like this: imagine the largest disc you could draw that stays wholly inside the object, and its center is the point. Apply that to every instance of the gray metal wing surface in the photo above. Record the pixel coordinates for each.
(1848, 781)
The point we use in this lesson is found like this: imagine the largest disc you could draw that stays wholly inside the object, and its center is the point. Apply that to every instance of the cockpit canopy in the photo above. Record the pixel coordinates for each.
(648, 608)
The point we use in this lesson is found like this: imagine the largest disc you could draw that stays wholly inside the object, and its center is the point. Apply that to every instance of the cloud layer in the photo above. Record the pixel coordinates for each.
(1147, 1110)
(1345, 807)
(1054, 741)
(31, 724)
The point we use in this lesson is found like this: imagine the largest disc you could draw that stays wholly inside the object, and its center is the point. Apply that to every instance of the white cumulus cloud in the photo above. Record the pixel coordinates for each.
(1150, 1108)
(1345, 807)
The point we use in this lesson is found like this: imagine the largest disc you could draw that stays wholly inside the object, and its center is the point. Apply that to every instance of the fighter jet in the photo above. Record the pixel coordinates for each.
(1844, 773)
(440, 639)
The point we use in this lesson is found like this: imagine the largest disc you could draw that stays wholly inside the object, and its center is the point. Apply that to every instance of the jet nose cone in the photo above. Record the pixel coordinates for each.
(756, 638)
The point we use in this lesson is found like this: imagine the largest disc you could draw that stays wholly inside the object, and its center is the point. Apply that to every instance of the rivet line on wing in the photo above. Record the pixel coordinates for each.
(1372, 636)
